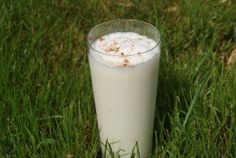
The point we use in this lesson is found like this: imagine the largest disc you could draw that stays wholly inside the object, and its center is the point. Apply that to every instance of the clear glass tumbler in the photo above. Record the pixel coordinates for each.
(125, 95)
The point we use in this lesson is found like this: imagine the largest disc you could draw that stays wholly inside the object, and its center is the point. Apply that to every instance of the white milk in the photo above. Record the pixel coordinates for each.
(124, 79)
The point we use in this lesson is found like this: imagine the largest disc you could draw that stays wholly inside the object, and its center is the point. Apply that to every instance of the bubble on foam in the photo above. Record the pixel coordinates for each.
(123, 49)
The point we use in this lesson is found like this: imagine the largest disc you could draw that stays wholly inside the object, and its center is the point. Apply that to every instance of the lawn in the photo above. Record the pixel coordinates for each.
(46, 100)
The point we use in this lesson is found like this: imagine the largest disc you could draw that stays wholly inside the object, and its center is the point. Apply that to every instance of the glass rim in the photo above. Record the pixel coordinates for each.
(89, 42)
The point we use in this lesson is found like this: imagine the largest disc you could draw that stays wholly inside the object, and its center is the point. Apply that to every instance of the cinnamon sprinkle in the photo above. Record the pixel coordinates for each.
(112, 49)
(126, 60)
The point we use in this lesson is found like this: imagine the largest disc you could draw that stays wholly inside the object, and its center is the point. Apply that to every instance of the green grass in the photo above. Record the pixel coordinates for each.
(46, 100)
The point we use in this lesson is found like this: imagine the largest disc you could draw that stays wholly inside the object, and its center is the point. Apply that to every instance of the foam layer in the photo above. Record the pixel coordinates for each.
(123, 49)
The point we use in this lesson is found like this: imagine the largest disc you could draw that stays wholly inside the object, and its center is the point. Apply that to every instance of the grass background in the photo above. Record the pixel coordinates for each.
(46, 100)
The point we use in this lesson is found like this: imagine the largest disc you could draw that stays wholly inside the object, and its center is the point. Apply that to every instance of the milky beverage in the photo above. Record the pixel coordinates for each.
(124, 69)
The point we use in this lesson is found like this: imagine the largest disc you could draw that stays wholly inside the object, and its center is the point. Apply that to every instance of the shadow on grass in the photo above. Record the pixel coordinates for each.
(172, 87)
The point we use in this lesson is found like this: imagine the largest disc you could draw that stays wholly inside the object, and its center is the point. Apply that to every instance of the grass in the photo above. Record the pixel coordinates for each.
(46, 100)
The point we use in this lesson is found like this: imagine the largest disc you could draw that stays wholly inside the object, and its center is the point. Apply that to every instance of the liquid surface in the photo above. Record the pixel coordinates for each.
(123, 49)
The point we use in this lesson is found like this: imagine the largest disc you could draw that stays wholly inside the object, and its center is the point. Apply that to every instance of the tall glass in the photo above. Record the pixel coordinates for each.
(125, 96)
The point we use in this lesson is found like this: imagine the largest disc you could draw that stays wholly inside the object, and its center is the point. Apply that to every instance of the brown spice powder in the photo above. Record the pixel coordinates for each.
(126, 60)
(112, 49)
